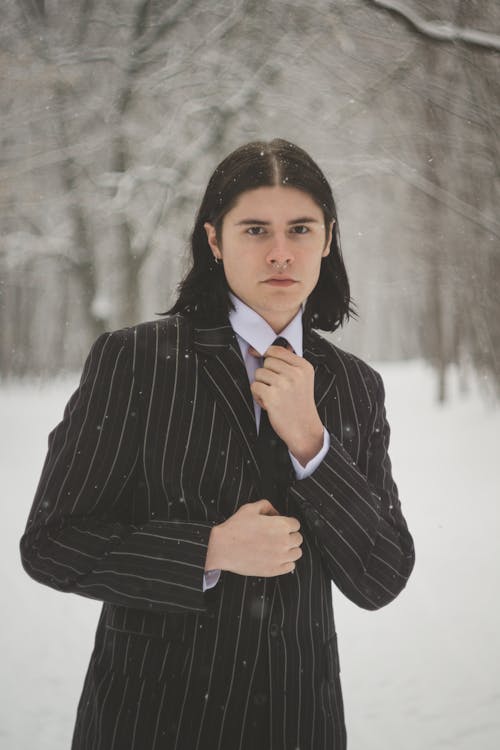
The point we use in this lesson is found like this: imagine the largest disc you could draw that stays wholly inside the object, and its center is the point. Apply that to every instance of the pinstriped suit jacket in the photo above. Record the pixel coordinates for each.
(157, 444)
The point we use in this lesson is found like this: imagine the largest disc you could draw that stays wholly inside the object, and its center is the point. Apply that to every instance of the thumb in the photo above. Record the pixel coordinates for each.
(264, 507)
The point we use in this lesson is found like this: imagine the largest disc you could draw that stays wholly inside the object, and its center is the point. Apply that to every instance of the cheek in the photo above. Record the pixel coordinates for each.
(314, 272)
(241, 260)
(239, 271)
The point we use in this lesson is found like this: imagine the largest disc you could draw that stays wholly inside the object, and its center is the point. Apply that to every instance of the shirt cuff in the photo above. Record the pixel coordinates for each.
(304, 471)
(210, 578)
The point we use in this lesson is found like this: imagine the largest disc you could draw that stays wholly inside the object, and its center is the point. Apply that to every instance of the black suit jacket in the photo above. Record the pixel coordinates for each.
(157, 444)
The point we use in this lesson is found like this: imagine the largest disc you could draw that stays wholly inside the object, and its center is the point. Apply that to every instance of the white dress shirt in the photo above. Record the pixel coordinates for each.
(252, 330)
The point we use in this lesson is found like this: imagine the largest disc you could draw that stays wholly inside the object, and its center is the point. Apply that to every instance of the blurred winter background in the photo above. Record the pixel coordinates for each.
(112, 117)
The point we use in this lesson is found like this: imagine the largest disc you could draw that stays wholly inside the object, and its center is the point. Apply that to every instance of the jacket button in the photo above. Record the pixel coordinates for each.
(274, 629)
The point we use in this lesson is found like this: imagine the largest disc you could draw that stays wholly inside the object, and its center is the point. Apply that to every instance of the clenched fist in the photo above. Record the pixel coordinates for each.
(255, 541)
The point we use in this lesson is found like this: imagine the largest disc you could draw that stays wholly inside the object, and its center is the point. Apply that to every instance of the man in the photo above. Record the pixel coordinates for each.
(214, 473)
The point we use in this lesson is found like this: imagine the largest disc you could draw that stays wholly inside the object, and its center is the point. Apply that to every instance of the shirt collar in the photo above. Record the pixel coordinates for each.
(257, 332)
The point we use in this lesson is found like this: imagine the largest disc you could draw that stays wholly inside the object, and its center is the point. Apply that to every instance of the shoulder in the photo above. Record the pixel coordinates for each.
(140, 344)
(351, 372)
(152, 334)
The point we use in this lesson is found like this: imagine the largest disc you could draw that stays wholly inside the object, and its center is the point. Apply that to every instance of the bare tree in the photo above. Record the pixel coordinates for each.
(98, 179)
(113, 115)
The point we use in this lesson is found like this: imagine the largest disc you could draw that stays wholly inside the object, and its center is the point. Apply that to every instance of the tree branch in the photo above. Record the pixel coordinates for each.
(441, 31)
(21, 247)
(446, 198)
(170, 18)
(212, 37)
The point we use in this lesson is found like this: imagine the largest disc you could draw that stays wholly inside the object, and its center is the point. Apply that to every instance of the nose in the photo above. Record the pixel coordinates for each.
(281, 251)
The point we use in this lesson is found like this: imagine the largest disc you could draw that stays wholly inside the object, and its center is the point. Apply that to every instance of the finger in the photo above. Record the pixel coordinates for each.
(293, 524)
(273, 364)
(261, 393)
(283, 355)
(266, 376)
(254, 352)
(296, 539)
(265, 507)
(279, 349)
(256, 389)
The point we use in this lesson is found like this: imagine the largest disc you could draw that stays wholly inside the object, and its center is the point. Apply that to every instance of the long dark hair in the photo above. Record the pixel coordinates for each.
(204, 290)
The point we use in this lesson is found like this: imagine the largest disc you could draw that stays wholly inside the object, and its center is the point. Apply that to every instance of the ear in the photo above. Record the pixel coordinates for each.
(326, 251)
(212, 239)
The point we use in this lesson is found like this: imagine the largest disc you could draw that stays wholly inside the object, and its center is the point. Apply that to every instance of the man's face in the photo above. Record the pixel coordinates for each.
(273, 240)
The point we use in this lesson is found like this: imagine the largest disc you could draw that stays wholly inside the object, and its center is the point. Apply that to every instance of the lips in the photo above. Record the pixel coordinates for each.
(280, 280)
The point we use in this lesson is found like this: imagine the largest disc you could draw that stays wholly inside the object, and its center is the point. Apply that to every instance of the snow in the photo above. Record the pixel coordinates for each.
(419, 674)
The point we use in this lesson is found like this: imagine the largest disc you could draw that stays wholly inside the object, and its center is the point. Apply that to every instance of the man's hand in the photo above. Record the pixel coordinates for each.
(255, 541)
(284, 387)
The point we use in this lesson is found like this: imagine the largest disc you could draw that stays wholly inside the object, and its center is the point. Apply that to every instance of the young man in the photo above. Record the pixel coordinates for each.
(215, 471)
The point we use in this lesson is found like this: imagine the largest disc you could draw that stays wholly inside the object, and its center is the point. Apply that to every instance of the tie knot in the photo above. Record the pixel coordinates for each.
(280, 341)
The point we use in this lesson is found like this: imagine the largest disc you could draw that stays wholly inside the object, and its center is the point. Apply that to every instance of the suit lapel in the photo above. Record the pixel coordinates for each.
(226, 375)
(315, 350)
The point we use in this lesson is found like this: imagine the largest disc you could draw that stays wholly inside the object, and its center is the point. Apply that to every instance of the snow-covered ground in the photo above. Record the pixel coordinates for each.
(421, 674)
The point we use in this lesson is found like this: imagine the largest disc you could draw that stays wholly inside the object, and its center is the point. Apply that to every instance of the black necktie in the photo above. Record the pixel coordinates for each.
(274, 460)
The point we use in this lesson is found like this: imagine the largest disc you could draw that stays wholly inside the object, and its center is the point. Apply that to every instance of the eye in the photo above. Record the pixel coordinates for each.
(300, 229)
(255, 231)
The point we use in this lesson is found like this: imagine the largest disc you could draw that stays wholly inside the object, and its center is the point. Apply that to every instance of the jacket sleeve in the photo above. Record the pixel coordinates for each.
(80, 536)
(353, 511)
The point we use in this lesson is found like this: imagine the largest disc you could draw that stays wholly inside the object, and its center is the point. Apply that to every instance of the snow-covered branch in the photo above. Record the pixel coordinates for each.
(20, 247)
(142, 60)
(170, 18)
(441, 31)
(124, 183)
(445, 197)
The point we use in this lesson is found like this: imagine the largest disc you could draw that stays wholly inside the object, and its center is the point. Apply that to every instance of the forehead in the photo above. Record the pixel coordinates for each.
(275, 202)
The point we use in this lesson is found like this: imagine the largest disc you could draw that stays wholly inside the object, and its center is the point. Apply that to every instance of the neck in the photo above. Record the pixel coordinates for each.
(278, 320)
(280, 324)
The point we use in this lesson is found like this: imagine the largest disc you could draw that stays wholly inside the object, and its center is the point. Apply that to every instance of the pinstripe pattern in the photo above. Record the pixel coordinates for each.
(157, 444)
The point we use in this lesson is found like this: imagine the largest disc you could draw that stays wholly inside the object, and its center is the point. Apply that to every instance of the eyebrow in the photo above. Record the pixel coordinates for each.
(300, 220)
